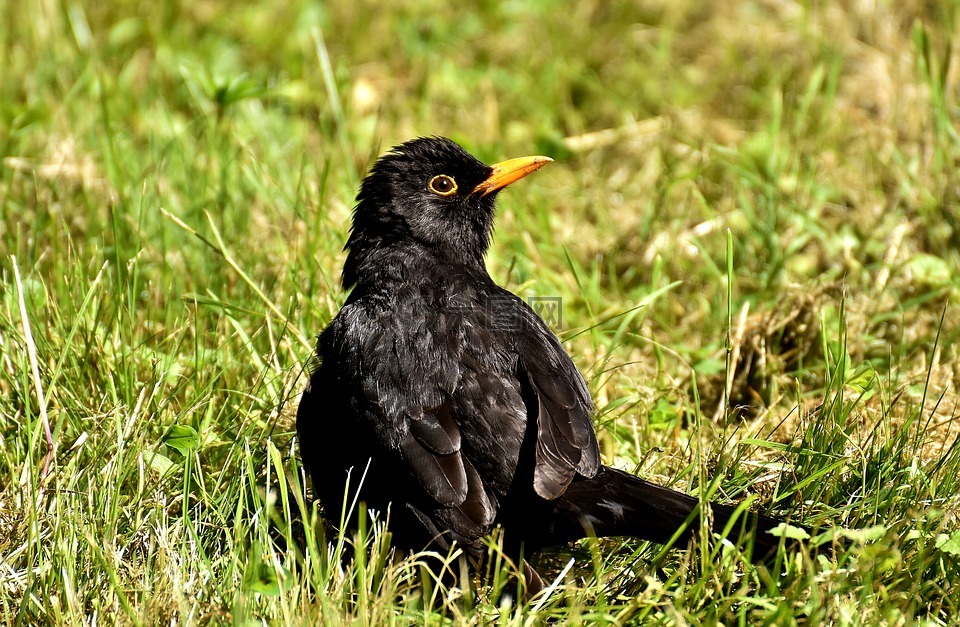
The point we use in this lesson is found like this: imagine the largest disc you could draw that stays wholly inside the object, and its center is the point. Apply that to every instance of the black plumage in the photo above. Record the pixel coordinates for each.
(449, 396)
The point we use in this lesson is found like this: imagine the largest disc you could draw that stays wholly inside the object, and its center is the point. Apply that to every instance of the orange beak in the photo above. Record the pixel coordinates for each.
(509, 171)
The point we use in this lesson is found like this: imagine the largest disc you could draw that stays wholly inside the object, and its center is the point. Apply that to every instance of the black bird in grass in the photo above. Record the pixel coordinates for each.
(447, 400)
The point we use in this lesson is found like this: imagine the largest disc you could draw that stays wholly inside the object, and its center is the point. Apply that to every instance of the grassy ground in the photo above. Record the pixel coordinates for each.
(753, 224)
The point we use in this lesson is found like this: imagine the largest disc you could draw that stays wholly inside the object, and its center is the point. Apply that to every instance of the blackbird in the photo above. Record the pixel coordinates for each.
(445, 400)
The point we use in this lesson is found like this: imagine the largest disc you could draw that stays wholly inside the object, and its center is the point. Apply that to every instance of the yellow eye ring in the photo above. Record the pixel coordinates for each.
(443, 185)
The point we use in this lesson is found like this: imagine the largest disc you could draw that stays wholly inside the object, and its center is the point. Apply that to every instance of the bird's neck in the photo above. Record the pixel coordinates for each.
(373, 261)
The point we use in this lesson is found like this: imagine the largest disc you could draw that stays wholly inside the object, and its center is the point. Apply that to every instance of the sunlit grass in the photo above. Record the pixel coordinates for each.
(753, 225)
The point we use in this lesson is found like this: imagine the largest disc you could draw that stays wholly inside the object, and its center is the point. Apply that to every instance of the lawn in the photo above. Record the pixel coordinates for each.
(752, 226)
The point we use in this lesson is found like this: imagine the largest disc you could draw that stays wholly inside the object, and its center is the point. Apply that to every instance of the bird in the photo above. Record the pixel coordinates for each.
(442, 399)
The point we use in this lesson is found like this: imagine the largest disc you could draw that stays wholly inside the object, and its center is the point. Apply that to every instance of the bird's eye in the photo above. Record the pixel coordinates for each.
(443, 185)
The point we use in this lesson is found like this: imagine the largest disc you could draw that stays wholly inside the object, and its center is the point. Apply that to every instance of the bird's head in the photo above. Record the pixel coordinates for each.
(432, 192)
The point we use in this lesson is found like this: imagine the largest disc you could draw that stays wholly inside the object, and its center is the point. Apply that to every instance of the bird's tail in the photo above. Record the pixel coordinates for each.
(615, 503)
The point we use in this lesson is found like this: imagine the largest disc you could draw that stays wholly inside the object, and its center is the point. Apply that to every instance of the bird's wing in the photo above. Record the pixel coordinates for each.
(432, 450)
(505, 377)
(399, 372)
(566, 441)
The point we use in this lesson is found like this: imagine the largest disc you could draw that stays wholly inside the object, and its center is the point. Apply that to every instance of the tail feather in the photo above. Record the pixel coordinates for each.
(615, 503)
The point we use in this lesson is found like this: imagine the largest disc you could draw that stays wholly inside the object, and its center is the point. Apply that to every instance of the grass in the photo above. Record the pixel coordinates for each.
(753, 224)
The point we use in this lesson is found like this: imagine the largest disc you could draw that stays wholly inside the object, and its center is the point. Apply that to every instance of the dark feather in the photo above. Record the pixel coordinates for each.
(442, 476)
(436, 429)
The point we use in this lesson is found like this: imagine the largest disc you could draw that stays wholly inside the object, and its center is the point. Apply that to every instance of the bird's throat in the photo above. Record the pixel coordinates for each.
(368, 262)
